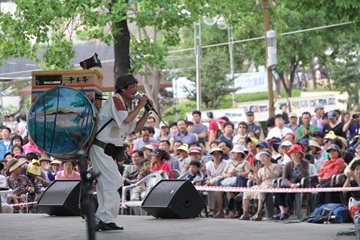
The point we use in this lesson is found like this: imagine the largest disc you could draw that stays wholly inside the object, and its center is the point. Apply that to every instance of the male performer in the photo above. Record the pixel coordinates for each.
(108, 146)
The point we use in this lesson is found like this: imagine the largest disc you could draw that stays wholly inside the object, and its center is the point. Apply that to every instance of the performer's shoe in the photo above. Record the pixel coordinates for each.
(101, 226)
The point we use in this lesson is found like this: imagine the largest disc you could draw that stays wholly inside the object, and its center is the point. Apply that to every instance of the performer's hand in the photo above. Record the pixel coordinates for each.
(143, 101)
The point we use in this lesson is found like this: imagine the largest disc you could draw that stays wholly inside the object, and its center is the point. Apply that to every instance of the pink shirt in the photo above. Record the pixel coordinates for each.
(61, 175)
(166, 167)
(31, 148)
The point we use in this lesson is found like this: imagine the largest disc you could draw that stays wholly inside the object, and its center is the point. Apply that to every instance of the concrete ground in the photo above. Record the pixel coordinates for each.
(42, 226)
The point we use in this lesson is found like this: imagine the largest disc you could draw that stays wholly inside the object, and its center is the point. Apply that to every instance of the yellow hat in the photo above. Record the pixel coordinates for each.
(35, 161)
(254, 140)
(184, 147)
(56, 162)
(216, 149)
(34, 169)
(330, 135)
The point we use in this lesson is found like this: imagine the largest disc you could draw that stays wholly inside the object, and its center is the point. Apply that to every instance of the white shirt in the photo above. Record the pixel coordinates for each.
(215, 172)
(278, 133)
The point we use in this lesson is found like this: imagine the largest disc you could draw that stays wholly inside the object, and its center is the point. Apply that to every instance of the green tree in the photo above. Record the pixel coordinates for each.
(53, 27)
(344, 65)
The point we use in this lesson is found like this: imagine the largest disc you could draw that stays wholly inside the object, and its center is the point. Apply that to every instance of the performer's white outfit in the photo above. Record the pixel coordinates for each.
(110, 180)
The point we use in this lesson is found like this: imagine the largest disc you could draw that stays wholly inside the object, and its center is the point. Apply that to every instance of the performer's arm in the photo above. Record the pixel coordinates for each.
(132, 115)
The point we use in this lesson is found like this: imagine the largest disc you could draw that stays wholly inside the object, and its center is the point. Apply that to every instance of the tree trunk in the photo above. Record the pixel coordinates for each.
(277, 87)
(121, 47)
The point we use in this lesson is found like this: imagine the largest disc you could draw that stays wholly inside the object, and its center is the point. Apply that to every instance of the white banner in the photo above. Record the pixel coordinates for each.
(252, 82)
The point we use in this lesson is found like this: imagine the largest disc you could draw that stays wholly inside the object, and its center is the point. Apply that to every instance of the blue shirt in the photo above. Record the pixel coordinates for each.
(354, 129)
(223, 138)
(139, 143)
(187, 138)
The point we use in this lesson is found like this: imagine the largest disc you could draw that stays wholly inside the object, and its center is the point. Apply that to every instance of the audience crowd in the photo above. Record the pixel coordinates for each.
(222, 153)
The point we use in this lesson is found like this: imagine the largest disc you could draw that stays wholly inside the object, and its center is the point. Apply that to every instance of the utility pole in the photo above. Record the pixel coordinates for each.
(269, 74)
(197, 42)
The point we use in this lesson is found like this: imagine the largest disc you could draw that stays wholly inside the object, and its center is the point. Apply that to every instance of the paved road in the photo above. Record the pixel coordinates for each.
(41, 226)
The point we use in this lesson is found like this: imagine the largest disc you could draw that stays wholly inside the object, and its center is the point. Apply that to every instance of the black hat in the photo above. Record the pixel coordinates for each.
(317, 133)
(210, 114)
(249, 113)
(124, 81)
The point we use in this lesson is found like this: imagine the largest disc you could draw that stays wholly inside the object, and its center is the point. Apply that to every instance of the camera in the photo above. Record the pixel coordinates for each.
(355, 115)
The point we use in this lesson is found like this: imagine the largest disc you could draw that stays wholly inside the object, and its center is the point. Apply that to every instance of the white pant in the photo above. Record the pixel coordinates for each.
(109, 181)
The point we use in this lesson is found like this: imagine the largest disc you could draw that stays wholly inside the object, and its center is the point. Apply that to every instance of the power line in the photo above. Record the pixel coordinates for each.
(263, 37)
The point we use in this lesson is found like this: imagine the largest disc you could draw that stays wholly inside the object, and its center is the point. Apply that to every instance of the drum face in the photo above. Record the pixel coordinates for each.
(54, 115)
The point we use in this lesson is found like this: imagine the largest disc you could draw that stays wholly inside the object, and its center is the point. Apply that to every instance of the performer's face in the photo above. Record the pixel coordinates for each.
(130, 92)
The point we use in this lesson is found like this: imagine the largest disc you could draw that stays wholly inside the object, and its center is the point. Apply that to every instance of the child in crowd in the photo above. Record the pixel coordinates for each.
(140, 191)
(194, 168)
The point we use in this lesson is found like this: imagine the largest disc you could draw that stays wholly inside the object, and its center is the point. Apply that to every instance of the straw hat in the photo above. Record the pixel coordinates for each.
(15, 163)
(314, 143)
(44, 157)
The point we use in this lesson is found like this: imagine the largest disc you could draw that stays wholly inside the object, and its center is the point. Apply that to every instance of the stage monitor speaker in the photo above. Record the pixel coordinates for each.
(61, 198)
(174, 199)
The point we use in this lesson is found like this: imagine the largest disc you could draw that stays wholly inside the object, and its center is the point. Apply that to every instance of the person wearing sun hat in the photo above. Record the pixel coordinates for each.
(335, 165)
(195, 153)
(20, 183)
(315, 149)
(291, 177)
(214, 169)
(183, 154)
(263, 178)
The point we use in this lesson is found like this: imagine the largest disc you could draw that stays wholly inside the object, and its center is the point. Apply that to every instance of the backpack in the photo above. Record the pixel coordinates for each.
(334, 212)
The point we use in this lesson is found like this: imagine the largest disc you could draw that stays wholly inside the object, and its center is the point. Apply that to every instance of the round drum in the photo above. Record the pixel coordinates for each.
(54, 115)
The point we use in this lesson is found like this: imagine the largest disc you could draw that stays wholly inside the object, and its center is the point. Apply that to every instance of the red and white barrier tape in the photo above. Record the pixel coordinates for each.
(275, 190)
(22, 204)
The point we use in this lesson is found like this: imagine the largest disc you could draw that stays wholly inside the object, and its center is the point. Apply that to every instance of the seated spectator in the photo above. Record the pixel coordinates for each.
(5, 142)
(353, 178)
(164, 132)
(228, 132)
(145, 139)
(347, 155)
(315, 149)
(335, 165)
(157, 158)
(306, 130)
(282, 148)
(241, 141)
(172, 161)
(175, 152)
(279, 131)
(132, 171)
(304, 143)
(68, 172)
(17, 140)
(139, 192)
(38, 178)
(334, 125)
(19, 183)
(195, 153)
(263, 179)
(6, 208)
(148, 149)
(226, 147)
(173, 130)
(274, 154)
(194, 168)
(8, 156)
(291, 177)
(31, 147)
(183, 154)
(17, 150)
(234, 168)
(292, 122)
(250, 146)
(56, 167)
(214, 169)
(45, 165)
(242, 132)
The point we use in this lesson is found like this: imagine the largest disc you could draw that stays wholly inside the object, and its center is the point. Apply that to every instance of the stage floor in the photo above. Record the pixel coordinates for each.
(41, 226)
